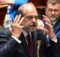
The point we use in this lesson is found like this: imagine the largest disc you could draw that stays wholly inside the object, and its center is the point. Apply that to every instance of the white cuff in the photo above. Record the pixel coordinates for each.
(16, 39)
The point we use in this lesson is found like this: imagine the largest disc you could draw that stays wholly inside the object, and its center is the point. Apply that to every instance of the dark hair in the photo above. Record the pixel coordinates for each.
(53, 2)
(19, 12)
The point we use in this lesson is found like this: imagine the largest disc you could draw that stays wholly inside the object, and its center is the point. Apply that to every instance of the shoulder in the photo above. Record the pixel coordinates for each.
(5, 33)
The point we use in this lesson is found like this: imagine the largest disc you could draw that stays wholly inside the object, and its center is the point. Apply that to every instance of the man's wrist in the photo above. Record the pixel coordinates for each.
(16, 39)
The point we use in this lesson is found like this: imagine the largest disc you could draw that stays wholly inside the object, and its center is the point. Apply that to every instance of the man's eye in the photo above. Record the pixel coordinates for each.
(50, 10)
(30, 17)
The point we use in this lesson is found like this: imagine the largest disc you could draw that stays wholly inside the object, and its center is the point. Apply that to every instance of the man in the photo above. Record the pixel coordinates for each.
(51, 46)
(13, 41)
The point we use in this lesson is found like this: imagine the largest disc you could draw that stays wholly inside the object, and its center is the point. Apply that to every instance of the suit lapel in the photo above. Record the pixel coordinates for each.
(22, 38)
(34, 38)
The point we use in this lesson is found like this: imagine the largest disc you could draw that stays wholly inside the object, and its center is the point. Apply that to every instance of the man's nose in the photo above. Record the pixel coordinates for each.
(33, 19)
(53, 12)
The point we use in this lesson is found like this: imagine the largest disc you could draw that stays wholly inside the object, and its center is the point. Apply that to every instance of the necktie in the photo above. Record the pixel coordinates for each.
(30, 45)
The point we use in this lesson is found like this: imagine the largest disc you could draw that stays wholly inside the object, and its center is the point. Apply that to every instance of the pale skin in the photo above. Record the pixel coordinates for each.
(16, 26)
(26, 22)
(49, 29)
(52, 14)
(11, 2)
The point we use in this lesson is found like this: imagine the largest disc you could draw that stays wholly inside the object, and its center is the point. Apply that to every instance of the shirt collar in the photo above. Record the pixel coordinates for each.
(25, 33)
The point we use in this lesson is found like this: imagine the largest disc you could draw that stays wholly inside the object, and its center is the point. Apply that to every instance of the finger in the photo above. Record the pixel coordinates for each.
(21, 26)
(42, 28)
(46, 19)
(15, 19)
(48, 24)
(45, 16)
(18, 19)
(21, 20)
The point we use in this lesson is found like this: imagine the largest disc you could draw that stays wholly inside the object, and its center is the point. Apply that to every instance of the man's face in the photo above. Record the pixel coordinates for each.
(30, 19)
(53, 11)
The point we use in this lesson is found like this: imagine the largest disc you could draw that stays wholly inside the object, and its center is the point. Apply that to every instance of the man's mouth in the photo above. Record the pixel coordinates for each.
(33, 25)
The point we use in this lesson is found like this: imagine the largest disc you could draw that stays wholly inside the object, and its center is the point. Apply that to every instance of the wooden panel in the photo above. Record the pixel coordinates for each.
(39, 2)
(40, 5)
(41, 11)
(3, 10)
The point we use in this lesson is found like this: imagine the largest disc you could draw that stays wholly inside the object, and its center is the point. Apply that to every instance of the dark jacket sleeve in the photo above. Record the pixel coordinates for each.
(7, 43)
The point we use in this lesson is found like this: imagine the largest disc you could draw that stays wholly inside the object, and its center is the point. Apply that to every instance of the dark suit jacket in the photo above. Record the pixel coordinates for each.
(53, 50)
(11, 48)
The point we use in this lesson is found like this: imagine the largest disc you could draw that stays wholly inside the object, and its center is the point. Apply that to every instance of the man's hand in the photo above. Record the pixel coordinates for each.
(48, 28)
(16, 26)
(6, 2)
